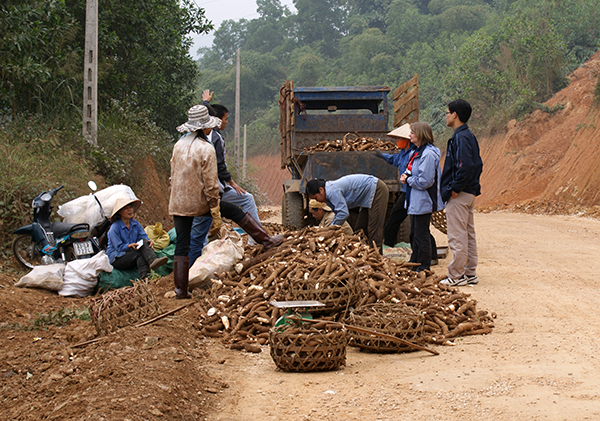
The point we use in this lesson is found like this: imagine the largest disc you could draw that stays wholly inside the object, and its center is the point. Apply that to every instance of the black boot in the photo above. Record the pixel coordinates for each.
(150, 257)
(256, 231)
(181, 267)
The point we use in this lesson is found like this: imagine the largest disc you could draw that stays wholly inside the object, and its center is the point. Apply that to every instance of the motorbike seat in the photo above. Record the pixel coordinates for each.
(62, 228)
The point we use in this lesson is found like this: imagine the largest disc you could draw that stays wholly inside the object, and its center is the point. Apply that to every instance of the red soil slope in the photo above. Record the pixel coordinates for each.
(548, 162)
(266, 169)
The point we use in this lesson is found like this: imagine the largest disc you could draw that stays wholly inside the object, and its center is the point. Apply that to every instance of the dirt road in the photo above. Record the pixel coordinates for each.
(539, 274)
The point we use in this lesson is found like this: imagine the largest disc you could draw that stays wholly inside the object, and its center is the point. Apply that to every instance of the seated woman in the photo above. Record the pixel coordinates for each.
(323, 213)
(123, 238)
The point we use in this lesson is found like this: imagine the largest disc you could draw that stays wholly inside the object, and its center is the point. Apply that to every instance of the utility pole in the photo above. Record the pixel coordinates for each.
(90, 73)
(236, 127)
(244, 161)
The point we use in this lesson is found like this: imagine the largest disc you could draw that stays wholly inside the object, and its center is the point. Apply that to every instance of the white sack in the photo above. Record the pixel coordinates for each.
(44, 276)
(81, 276)
(86, 209)
(217, 256)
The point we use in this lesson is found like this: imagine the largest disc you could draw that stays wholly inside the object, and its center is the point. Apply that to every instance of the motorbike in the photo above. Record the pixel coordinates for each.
(44, 242)
(99, 233)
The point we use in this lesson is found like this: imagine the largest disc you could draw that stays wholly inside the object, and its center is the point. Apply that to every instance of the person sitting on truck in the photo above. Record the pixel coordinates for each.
(323, 213)
(363, 191)
(422, 179)
(398, 213)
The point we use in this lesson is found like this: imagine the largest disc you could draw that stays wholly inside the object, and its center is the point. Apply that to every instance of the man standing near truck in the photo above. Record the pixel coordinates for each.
(366, 192)
(459, 187)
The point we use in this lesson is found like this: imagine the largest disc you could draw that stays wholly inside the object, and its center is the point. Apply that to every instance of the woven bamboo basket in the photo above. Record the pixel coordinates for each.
(438, 220)
(396, 320)
(337, 294)
(308, 349)
(123, 307)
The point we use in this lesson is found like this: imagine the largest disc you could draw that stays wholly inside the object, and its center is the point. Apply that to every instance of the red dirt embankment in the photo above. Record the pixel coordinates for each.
(548, 163)
(269, 175)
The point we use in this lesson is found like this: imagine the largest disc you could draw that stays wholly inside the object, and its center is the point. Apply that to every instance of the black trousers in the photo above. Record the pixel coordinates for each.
(231, 211)
(420, 241)
(397, 216)
(140, 259)
(183, 228)
(183, 225)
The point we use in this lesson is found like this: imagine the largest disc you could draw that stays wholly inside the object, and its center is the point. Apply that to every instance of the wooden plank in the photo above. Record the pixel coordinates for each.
(408, 97)
(405, 86)
(403, 115)
(406, 102)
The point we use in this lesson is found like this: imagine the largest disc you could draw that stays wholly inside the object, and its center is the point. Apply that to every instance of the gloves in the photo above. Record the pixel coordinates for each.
(379, 154)
(217, 223)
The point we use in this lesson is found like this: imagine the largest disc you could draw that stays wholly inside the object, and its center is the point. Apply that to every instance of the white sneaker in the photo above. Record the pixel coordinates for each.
(460, 282)
(472, 280)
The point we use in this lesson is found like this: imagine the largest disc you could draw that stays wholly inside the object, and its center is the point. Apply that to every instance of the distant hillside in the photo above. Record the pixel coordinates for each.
(548, 163)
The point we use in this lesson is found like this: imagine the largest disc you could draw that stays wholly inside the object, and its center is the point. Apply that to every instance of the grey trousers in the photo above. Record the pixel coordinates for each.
(461, 235)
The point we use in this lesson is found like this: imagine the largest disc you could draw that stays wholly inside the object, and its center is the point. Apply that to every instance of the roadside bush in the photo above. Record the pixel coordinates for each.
(35, 157)
(126, 137)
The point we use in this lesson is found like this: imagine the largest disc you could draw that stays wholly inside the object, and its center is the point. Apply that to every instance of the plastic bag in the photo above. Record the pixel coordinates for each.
(85, 209)
(81, 276)
(218, 256)
(400, 253)
(45, 276)
(159, 236)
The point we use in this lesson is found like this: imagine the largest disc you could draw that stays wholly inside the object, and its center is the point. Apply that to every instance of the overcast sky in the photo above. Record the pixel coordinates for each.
(219, 10)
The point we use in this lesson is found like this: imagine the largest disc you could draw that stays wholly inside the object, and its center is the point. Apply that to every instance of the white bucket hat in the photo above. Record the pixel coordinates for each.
(198, 119)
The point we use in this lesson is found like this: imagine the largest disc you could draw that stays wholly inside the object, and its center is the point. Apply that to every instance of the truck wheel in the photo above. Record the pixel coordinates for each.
(404, 231)
(292, 210)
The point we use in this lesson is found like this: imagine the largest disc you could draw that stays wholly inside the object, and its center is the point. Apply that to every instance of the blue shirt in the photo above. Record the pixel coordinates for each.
(347, 192)
(400, 160)
(119, 237)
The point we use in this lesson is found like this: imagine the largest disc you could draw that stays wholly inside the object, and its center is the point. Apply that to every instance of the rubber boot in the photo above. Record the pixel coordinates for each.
(181, 268)
(150, 257)
(256, 231)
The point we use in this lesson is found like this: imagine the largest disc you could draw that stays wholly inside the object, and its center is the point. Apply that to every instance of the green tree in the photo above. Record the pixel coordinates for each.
(36, 71)
(370, 52)
(365, 14)
(322, 22)
(405, 25)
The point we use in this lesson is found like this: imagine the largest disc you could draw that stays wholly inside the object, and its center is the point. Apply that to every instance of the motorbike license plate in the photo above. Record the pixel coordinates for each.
(82, 248)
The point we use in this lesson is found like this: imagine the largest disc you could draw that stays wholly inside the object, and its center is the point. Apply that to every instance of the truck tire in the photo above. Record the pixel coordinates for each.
(292, 210)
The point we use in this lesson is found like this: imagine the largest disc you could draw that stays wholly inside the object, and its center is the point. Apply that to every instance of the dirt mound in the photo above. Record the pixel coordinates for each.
(151, 372)
(547, 163)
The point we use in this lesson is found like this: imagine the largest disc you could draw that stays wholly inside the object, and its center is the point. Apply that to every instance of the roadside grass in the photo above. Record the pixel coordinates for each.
(38, 153)
(56, 318)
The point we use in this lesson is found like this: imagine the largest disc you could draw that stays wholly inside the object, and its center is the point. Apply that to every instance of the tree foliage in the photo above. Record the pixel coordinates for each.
(143, 53)
(505, 56)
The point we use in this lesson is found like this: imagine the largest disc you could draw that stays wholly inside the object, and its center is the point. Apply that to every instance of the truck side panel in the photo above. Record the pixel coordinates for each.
(333, 165)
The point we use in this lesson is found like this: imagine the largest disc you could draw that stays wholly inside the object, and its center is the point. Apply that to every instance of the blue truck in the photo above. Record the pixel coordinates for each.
(310, 115)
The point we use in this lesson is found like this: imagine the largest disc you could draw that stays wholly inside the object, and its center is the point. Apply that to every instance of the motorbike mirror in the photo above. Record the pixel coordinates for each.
(92, 185)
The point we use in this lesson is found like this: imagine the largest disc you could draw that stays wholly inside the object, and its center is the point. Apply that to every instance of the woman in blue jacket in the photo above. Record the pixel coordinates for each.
(422, 178)
(124, 249)
(398, 213)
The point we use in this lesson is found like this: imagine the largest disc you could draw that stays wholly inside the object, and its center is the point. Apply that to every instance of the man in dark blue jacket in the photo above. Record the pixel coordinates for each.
(459, 187)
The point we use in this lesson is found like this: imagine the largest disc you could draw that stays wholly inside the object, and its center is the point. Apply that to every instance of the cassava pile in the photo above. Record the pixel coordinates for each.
(237, 308)
(354, 144)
